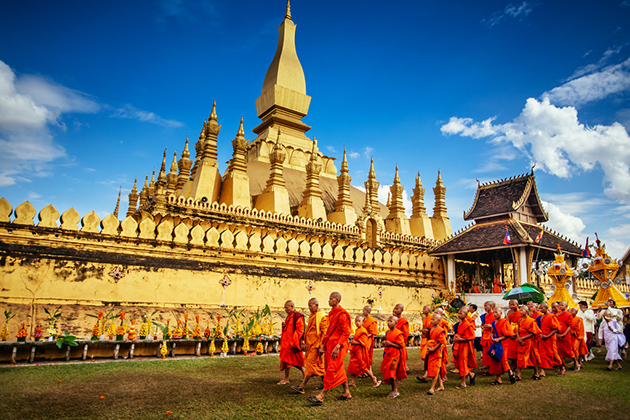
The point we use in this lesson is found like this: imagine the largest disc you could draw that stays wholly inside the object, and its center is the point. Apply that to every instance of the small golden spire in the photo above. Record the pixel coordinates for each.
(174, 162)
(118, 203)
(344, 162)
(396, 177)
(162, 174)
(135, 183)
(186, 152)
(240, 132)
(213, 114)
(287, 15)
(372, 174)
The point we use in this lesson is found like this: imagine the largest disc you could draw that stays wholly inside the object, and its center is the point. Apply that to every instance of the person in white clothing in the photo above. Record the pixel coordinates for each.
(616, 313)
(588, 316)
(612, 333)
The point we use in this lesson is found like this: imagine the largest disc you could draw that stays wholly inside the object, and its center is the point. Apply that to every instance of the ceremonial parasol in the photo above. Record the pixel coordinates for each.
(522, 294)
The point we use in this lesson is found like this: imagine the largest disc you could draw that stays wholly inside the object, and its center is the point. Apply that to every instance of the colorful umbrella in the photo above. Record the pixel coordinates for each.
(522, 294)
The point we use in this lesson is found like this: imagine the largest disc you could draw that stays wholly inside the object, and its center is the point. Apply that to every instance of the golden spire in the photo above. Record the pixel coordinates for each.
(396, 207)
(212, 131)
(287, 15)
(183, 165)
(312, 205)
(440, 200)
(371, 188)
(344, 162)
(417, 199)
(133, 198)
(160, 193)
(238, 163)
(171, 178)
(144, 193)
(117, 203)
(343, 183)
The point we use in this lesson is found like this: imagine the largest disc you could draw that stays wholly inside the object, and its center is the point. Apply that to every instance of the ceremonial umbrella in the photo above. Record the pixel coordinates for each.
(522, 294)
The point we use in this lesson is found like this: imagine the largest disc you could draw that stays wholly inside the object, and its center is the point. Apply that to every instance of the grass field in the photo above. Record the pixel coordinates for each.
(245, 388)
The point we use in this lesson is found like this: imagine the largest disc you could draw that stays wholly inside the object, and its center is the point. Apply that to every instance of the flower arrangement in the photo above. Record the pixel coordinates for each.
(207, 332)
(166, 329)
(217, 329)
(145, 327)
(111, 331)
(185, 330)
(177, 333)
(99, 326)
(38, 331)
(163, 350)
(4, 333)
(52, 320)
(259, 348)
(22, 333)
(245, 347)
(132, 332)
(122, 328)
(197, 330)
(224, 348)
(212, 349)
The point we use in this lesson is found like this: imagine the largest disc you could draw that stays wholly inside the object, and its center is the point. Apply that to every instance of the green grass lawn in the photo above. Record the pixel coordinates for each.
(245, 388)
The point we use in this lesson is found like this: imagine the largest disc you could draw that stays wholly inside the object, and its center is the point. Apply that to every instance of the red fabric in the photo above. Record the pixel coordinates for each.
(446, 326)
(486, 339)
(338, 332)
(290, 347)
(464, 352)
(393, 365)
(547, 348)
(504, 329)
(527, 355)
(510, 344)
(565, 344)
(358, 364)
(371, 327)
(436, 359)
(426, 324)
(403, 326)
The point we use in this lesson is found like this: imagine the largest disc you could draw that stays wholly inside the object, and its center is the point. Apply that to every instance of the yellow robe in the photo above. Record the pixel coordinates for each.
(315, 330)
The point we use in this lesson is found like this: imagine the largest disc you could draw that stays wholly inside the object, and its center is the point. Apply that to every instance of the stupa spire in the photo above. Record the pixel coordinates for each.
(235, 188)
(206, 179)
(397, 220)
(312, 205)
(371, 188)
(440, 222)
(115, 213)
(171, 178)
(287, 15)
(183, 165)
(144, 193)
(275, 197)
(344, 211)
(151, 189)
(133, 198)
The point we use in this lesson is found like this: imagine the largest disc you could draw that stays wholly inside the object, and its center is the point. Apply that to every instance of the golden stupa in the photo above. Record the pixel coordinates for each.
(605, 271)
(562, 276)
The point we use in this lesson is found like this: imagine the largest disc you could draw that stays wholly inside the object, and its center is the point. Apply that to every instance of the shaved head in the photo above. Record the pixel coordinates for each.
(368, 309)
(439, 311)
(336, 295)
(313, 300)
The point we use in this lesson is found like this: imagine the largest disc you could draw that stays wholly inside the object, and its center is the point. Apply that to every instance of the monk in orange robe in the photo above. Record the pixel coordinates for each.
(497, 285)
(463, 349)
(334, 347)
(446, 326)
(501, 331)
(486, 335)
(359, 345)
(435, 357)
(393, 366)
(510, 344)
(291, 342)
(526, 339)
(426, 327)
(579, 345)
(371, 326)
(402, 326)
(565, 339)
(315, 330)
(546, 343)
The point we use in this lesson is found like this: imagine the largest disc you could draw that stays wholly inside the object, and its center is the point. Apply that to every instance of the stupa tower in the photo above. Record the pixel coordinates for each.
(420, 222)
(440, 222)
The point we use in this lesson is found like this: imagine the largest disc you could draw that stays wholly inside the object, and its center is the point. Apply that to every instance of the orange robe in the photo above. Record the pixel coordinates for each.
(371, 326)
(446, 326)
(393, 365)
(464, 352)
(547, 348)
(486, 338)
(426, 324)
(435, 360)
(577, 330)
(358, 364)
(403, 326)
(510, 344)
(314, 361)
(504, 329)
(290, 341)
(338, 332)
(565, 345)
(497, 285)
(527, 355)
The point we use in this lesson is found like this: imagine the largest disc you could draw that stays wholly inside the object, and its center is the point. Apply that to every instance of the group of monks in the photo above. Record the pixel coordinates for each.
(528, 336)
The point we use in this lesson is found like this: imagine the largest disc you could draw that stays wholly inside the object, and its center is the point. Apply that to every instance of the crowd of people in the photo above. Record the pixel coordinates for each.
(539, 336)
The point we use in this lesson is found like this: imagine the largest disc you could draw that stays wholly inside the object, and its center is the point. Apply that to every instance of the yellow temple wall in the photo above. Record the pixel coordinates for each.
(177, 270)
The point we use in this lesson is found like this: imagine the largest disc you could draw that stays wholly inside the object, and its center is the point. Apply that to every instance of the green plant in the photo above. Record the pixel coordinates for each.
(536, 299)
(66, 338)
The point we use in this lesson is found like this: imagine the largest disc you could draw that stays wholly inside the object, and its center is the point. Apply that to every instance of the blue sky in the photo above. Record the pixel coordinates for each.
(92, 93)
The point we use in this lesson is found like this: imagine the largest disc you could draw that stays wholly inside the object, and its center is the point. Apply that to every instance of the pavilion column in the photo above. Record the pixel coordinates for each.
(450, 272)
(523, 269)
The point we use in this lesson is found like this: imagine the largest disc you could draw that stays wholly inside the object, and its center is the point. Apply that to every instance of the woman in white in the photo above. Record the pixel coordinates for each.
(611, 332)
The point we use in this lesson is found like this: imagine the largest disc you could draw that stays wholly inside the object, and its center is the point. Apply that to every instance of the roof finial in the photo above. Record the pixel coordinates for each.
(288, 13)
(213, 114)
(240, 132)
(118, 203)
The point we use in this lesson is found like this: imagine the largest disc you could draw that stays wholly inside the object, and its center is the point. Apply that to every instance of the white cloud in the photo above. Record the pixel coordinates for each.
(354, 155)
(559, 144)
(133, 113)
(368, 151)
(592, 87)
(564, 222)
(616, 240)
(519, 11)
(331, 149)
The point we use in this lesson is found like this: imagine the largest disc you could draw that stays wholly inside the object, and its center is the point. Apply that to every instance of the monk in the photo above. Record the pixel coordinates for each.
(403, 326)
(580, 350)
(393, 365)
(359, 345)
(497, 285)
(371, 326)
(526, 339)
(463, 348)
(446, 326)
(547, 350)
(435, 357)
(315, 330)
(501, 331)
(565, 339)
(426, 327)
(486, 335)
(554, 308)
(533, 311)
(510, 344)
(334, 347)
(291, 342)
